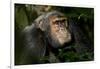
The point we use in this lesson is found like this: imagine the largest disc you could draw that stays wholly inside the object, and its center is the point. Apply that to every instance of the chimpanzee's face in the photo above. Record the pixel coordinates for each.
(59, 30)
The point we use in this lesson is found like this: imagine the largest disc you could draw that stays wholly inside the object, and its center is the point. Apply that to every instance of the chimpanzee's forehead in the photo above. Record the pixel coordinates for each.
(54, 14)
(56, 18)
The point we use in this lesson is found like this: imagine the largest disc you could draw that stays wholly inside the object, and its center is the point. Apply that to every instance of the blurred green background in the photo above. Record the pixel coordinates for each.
(25, 14)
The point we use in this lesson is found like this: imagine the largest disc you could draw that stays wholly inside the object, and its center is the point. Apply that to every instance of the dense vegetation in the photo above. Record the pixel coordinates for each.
(84, 17)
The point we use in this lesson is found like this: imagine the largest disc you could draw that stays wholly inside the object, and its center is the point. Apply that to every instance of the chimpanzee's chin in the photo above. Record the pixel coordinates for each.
(56, 44)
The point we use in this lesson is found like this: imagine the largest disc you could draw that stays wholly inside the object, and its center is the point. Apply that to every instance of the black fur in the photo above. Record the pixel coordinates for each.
(37, 42)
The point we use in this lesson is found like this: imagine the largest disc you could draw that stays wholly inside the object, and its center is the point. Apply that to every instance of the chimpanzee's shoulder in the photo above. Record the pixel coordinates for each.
(29, 28)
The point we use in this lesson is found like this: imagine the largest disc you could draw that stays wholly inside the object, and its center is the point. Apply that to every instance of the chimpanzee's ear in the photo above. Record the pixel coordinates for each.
(41, 25)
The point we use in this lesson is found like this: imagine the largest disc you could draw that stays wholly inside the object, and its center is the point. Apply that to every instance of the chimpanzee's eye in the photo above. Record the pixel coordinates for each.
(63, 21)
(56, 22)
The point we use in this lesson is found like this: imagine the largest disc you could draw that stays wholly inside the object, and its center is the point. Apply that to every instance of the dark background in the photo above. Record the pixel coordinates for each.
(25, 14)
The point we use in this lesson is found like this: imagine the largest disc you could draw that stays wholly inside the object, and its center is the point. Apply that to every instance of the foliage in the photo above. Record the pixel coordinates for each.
(84, 17)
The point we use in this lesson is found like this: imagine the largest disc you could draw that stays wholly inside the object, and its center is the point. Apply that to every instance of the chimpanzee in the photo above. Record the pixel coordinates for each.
(49, 33)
